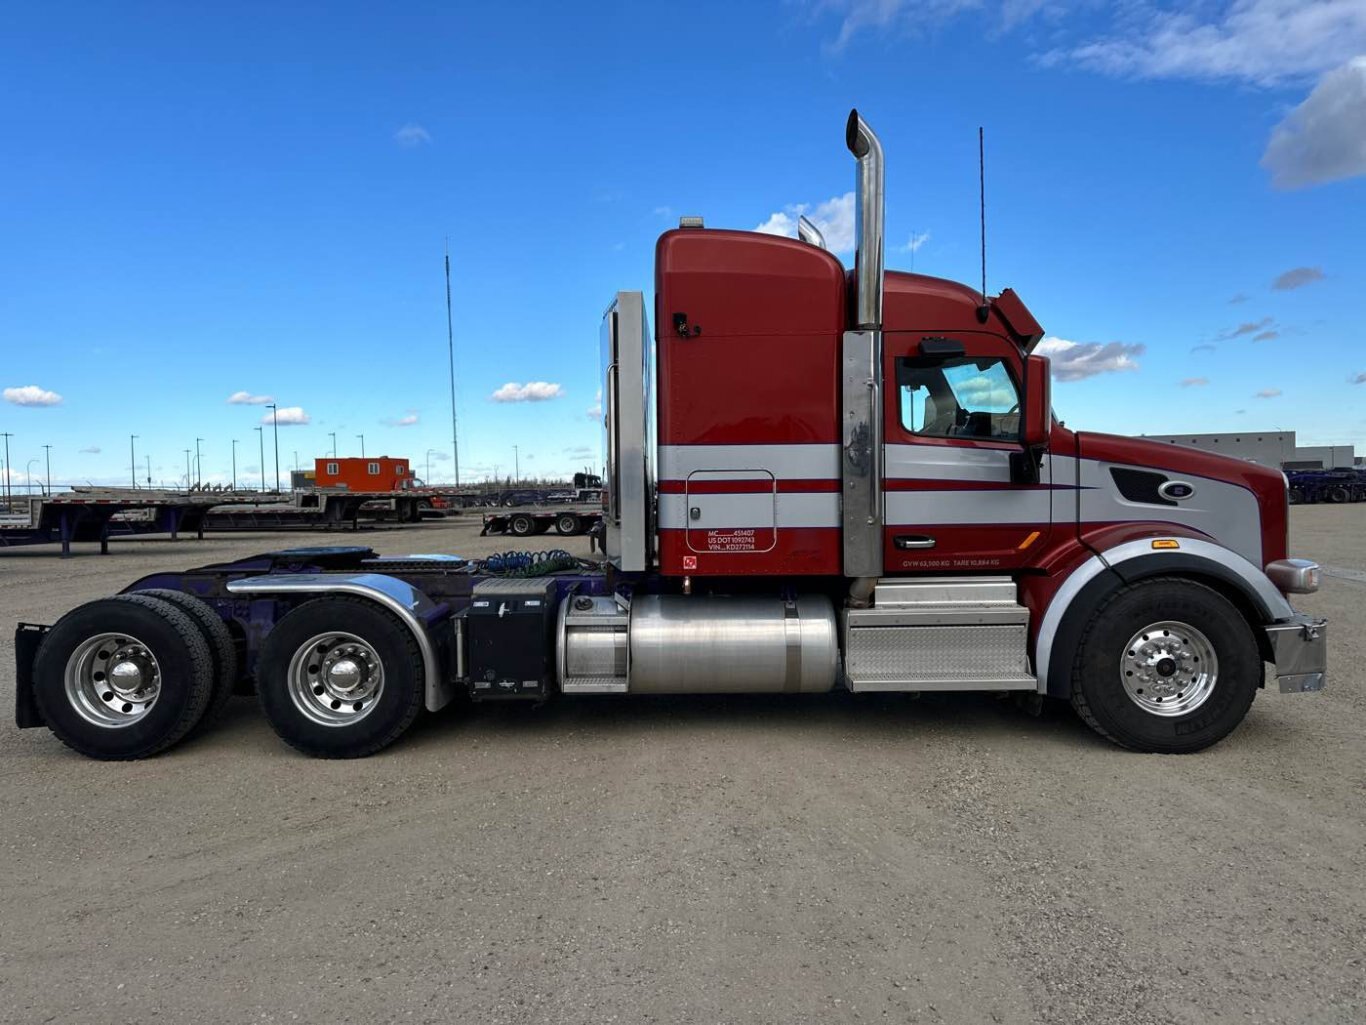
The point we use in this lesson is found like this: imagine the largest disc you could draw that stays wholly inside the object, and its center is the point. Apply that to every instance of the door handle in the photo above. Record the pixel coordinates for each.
(907, 541)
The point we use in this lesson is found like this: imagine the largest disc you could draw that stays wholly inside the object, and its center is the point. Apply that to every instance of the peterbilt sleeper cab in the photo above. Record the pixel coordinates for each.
(816, 478)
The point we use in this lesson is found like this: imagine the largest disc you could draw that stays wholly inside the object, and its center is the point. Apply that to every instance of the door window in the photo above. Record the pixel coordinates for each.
(965, 397)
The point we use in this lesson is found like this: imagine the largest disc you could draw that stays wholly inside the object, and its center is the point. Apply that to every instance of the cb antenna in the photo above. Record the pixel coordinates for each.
(984, 310)
(450, 350)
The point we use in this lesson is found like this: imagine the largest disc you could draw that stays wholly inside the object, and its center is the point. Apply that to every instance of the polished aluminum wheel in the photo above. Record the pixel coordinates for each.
(1169, 668)
(335, 679)
(112, 680)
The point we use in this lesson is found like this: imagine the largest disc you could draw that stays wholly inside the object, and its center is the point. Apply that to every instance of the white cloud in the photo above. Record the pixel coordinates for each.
(412, 134)
(246, 398)
(834, 217)
(1359, 378)
(409, 419)
(287, 416)
(881, 17)
(1323, 139)
(1194, 382)
(1204, 347)
(1264, 42)
(1076, 361)
(532, 391)
(93, 450)
(32, 395)
(1268, 393)
(916, 240)
(595, 410)
(1248, 327)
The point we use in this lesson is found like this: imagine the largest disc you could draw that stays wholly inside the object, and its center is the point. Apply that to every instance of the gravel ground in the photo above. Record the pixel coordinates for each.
(767, 859)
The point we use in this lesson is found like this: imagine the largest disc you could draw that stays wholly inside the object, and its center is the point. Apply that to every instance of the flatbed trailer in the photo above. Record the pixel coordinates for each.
(565, 520)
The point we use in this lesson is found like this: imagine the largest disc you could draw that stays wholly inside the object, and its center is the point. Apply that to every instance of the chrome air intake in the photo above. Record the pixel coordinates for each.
(809, 233)
(868, 220)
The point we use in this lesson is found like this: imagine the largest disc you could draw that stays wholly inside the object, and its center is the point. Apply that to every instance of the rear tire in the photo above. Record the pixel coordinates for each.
(521, 525)
(567, 524)
(340, 677)
(221, 645)
(1167, 666)
(123, 677)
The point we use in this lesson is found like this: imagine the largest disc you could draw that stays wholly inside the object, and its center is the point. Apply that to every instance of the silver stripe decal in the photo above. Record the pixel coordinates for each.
(968, 508)
(789, 462)
(820, 509)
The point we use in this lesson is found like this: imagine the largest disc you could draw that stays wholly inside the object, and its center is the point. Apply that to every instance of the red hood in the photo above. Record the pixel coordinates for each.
(1266, 484)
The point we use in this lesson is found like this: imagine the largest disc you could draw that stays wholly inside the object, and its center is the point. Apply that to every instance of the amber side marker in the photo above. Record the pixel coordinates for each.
(1166, 542)
(1033, 536)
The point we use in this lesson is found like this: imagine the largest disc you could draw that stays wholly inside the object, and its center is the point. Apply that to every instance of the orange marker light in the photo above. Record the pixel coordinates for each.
(1033, 536)
(1166, 542)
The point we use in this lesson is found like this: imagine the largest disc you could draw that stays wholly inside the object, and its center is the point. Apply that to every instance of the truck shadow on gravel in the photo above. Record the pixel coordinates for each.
(878, 718)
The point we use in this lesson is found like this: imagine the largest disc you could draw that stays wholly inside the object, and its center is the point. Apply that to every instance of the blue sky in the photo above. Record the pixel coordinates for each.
(197, 203)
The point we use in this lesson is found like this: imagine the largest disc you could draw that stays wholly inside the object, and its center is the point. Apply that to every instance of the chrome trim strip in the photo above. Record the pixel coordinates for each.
(1255, 579)
(398, 596)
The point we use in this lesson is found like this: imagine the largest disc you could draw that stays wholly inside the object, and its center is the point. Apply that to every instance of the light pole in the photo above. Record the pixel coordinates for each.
(362, 445)
(261, 437)
(275, 422)
(333, 436)
(234, 464)
(198, 466)
(428, 479)
(47, 453)
(28, 476)
(188, 475)
(149, 472)
(8, 435)
(133, 461)
(516, 464)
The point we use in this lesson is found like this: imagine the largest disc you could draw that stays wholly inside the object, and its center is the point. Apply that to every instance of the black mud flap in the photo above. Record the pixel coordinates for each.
(27, 638)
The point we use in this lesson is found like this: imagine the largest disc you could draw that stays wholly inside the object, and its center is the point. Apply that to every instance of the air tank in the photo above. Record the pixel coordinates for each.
(703, 644)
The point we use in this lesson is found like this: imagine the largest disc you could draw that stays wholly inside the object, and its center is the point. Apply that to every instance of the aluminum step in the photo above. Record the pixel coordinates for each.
(939, 634)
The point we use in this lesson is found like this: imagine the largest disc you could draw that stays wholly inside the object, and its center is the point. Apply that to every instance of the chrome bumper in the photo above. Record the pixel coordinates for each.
(1301, 649)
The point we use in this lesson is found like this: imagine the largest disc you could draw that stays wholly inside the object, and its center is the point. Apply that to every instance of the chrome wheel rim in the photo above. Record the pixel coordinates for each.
(1169, 668)
(335, 679)
(112, 680)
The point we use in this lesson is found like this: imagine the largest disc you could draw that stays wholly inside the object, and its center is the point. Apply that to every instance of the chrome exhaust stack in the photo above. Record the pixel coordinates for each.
(861, 507)
(868, 218)
(809, 233)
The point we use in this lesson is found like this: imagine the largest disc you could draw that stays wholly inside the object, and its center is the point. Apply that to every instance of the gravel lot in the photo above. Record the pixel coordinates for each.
(768, 859)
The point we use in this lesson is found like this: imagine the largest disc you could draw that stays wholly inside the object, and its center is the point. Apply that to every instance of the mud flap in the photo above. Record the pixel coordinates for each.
(27, 638)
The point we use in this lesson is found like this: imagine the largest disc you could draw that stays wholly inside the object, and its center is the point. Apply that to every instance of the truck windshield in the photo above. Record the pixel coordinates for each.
(966, 397)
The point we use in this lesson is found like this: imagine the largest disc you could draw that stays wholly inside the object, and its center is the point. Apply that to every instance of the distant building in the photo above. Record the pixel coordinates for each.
(1277, 449)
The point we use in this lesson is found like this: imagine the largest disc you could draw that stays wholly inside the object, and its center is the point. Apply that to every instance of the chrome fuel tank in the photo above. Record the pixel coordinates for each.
(697, 644)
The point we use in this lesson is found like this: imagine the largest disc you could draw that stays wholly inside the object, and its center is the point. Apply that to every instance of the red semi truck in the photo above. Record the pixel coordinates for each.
(816, 478)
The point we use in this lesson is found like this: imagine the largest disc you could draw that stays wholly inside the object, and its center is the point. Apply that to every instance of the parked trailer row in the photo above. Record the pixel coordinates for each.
(1310, 486)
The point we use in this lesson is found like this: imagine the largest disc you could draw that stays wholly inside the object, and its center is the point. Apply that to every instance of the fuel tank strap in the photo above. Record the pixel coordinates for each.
(792, 626)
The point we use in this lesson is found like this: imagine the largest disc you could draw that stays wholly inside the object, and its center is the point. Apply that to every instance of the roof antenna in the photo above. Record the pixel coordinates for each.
(983, 311)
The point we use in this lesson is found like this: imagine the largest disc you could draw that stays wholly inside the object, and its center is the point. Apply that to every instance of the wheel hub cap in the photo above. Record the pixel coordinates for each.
(335, 679)
(1169, 668)
(112, 680)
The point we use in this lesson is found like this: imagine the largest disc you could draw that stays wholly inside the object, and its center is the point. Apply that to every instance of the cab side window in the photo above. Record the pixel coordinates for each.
(962, 397)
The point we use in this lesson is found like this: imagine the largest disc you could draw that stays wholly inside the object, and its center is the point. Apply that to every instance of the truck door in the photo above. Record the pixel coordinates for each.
(952, 501)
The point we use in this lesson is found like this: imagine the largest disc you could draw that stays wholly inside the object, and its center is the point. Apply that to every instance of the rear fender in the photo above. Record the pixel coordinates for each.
(424, 618)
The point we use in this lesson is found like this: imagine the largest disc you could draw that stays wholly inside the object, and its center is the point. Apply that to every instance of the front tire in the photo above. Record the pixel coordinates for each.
(1167, 666)
(340, 677)
(123, 678)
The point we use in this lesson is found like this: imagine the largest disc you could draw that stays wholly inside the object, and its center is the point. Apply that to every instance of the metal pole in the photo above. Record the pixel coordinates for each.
(516, 464)
(28, 477)
(362, 445)
(133, 461)
(275, 421)
(47, 452)
(450, 349)
(198, 465)
(149, 472)
(234, 464)
(261, 437)
(8, 435)
(333, 436)
(187, 470)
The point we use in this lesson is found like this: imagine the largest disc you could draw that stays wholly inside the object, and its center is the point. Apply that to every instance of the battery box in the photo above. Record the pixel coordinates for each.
(511, 645)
